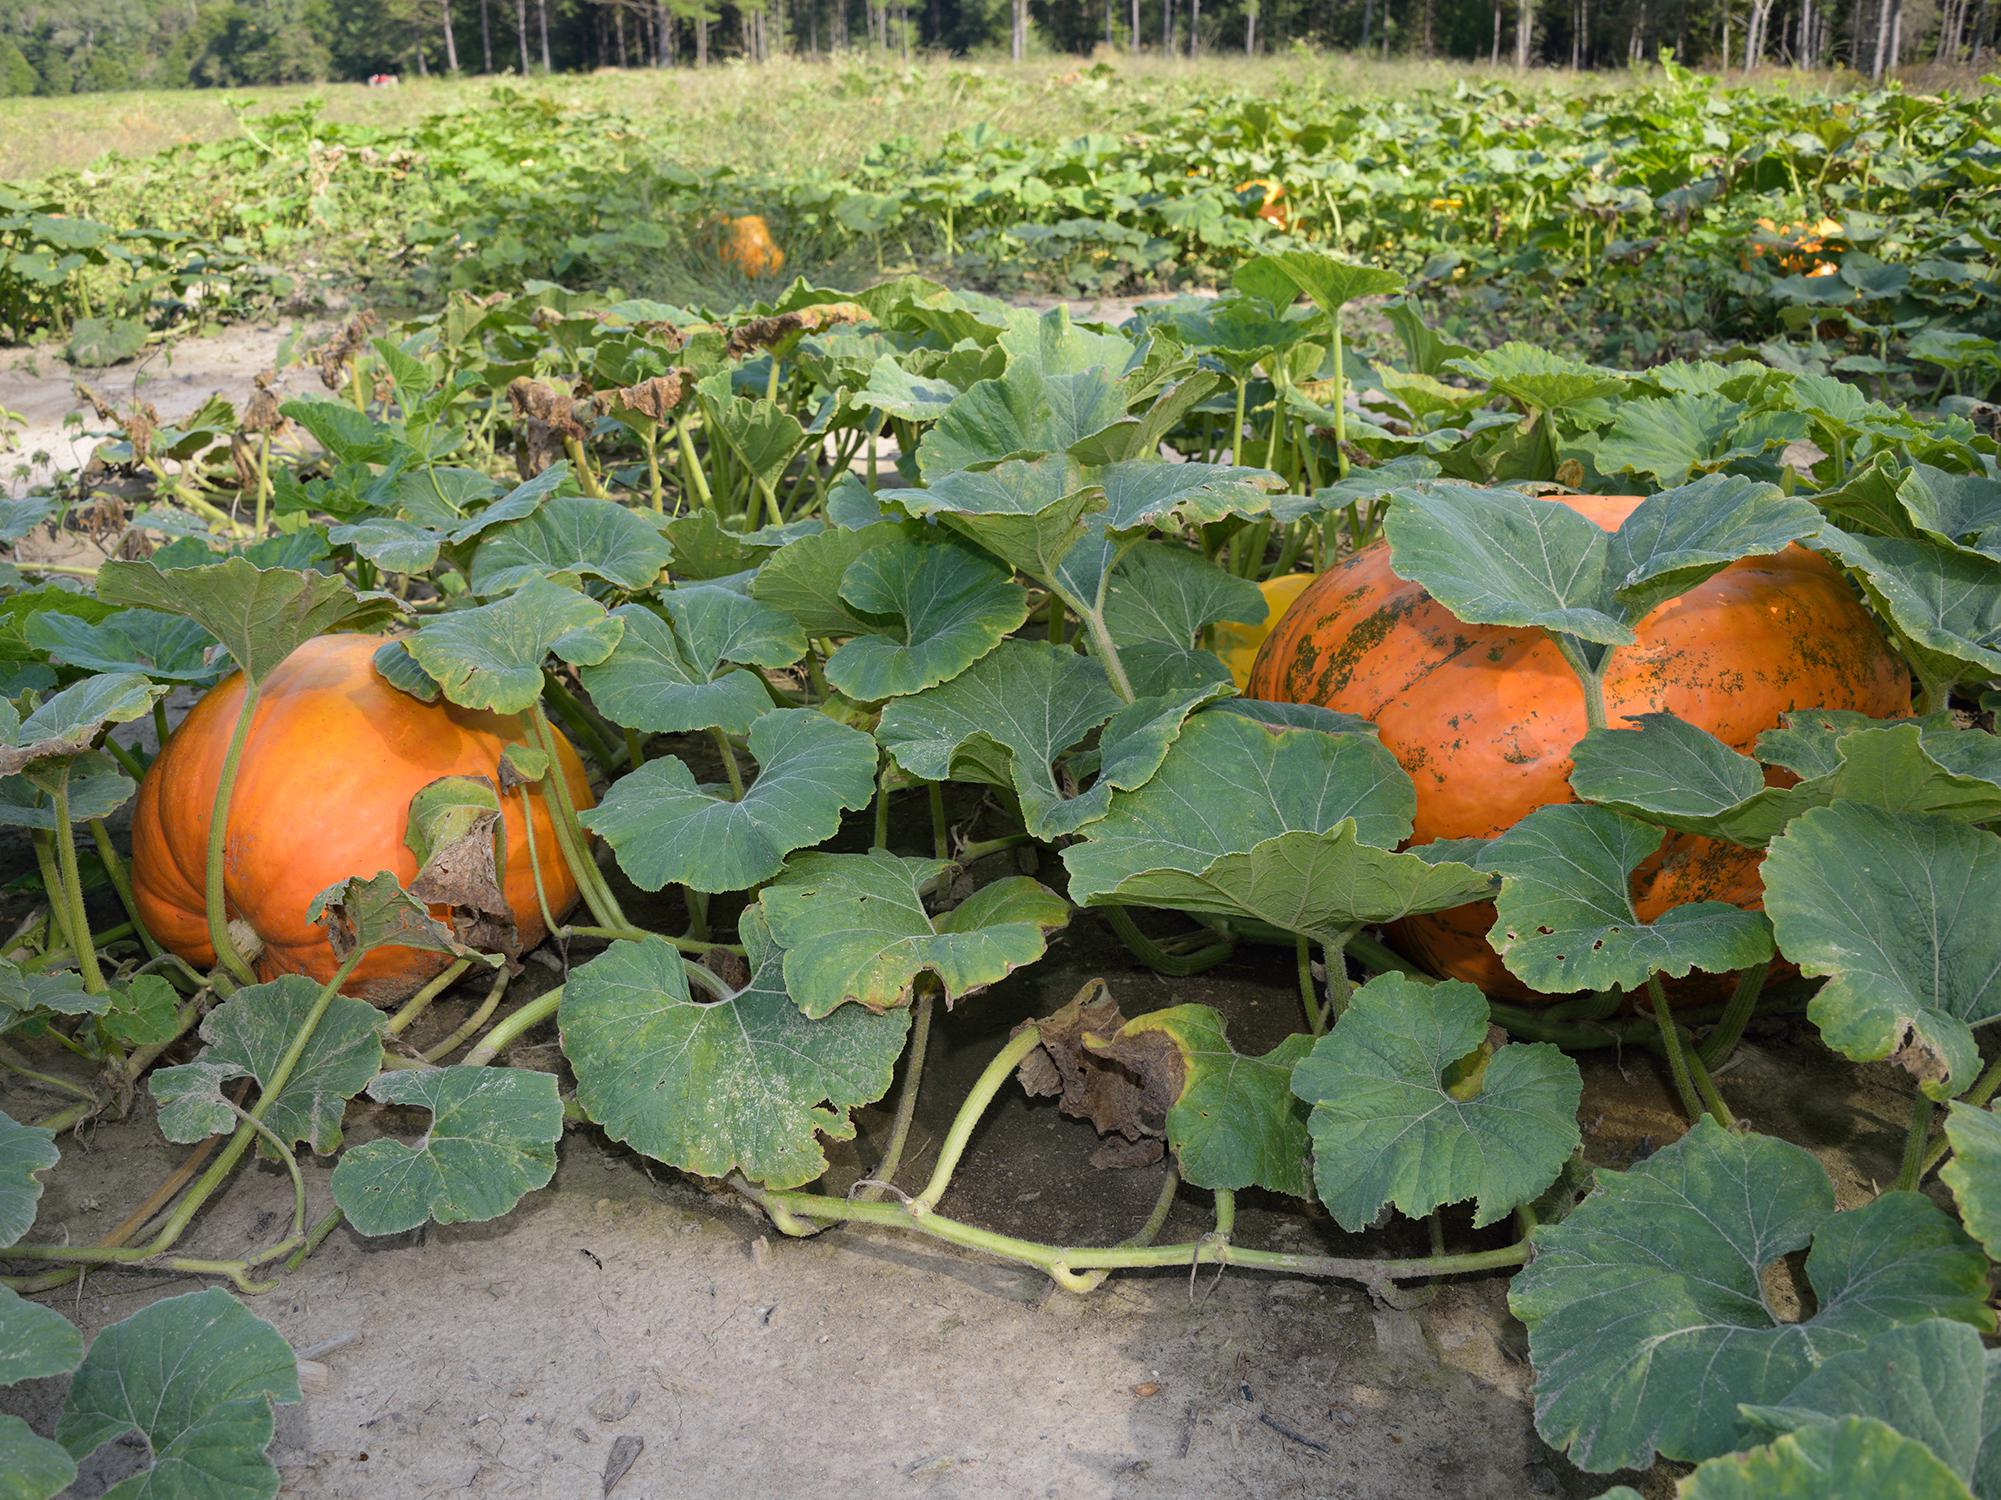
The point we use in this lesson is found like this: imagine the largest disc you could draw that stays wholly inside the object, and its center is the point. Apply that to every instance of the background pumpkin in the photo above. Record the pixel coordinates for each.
(333, 758)
(748, 246)
(1238, 644)
(1484, 717)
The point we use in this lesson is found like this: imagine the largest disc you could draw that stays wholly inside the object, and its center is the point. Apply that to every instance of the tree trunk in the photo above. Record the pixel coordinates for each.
(1194, 28)
(1495, 60)
(1167, 28)
(486, 35)
(1879, 59)
(542, 9)
(1250, 28)
(1368, 23)
(521, 32)
(451, 42)
(701, 41)
(1896, 34)
(1754, 42)
(1979, 35)
(663, 34)
(1132, 42)
(1427, 16)
(1108, 25)
(1018, 36)
(1524, 30)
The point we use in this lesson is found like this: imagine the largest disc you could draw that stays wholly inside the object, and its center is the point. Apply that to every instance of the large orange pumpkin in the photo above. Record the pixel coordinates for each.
(322, 793)
(1484, 717)
(748, 246)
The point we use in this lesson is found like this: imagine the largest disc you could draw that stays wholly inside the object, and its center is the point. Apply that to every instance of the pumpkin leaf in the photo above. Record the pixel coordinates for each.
(687, 671)
(260, 615)
(854, 928)
(1671, 773)
(1945, 605)
(1004, 721)
(247, 1036)
(195, 1376)
(744, 1084)
(1159, 600)
(143, 1010)
(393, 544)
(1209, 829)
(69, 721)
(803, 580)
(1390, 1126)
(1893, 909)
(1497, 557)
(32, 1467)
(1960, 511)
(1648, 1324)
(760, 435)
(1023, 413)
(35, 1342)
(1143, 492)
(360, 915)
(664, 828)
(1973, 1172)
(166, 648)
(1930, 1381)
(1028, 512)
(1828, 1461)
(491, 1142)
(1565, 919)
(456, 832)
(573, 537)
(491, 656)
(25, 1151)
(950, 605)
(1327, 281)
(1678, 538)
(1538, 379)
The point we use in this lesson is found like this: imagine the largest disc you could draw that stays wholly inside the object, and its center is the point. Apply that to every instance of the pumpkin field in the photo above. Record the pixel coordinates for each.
(1282, 781)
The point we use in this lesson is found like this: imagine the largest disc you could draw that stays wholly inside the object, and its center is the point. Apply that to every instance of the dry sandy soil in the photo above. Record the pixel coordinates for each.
(629, 1305)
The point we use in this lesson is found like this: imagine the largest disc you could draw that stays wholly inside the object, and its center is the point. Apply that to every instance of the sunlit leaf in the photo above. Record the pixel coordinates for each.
(1973, 1172)
(1157, 603)
(688, 670)
(1963, 511)
(166, 648)
(572, 537)
(1946, 604)
(949, 605)
(1676, 539)
(491, 656)
(1851, 1457)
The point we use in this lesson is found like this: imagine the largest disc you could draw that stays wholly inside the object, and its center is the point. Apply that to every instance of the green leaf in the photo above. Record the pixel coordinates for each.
(1226, 793)
(1565, 919)
(664, 828)
(1390, 1126)
(32, 1467)
(35, 1341)
(1004, 721)
(163, 647)
(1929, 1381)
(894, 390)
(95, 342)
(1159, 600)
(1497, 557)
(803, 579)
(760, 435)
(1962, 511)
(1538, 379)
(951, 603)
(1945, 604)
(573, 537)
(1673, 774)
(673, 675)
(1895, 909)
(1029, 512)
(195, 1376)
(247, 1035)
(1144, 492)
(144, 1010)
(491, 656)
(742, 1084)
(1648, 1322)
(391, 543)
(1024, 413)
(1678, 538)
(25, 1150)
(491, 1142)
(1852, 1457)
(261, 615)
(1973, 1172)
(1327, 281)
(854, 927)
(72, 719)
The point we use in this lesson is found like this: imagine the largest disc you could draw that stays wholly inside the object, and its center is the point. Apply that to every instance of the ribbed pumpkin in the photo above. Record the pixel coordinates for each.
(322, 793)
(1484, 717)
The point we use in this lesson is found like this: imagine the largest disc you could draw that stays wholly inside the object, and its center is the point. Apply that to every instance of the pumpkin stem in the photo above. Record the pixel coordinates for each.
(72, 890)
(1677, 1056)
(226, 954)
(906, 1104)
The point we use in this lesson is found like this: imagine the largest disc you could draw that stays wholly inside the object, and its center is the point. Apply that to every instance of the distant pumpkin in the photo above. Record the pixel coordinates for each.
(1803, 247)
(1238, 644)
(749, 247)
(1272, 210)
(1484, 717)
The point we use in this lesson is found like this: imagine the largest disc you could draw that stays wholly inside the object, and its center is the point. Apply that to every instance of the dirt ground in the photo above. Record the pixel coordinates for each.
(630, 1316)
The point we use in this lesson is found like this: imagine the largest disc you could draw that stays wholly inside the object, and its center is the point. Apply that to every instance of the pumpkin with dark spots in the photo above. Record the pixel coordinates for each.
(333, 757)
(1484, 717)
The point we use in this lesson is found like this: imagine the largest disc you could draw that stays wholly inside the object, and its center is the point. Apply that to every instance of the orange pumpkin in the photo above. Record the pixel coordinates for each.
(1801, 247)
(322, 793)
(1484, 717)
(748, 246)
(1272, 210)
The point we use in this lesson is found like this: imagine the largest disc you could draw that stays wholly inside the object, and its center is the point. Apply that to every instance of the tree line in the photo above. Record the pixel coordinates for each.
(79, 46)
